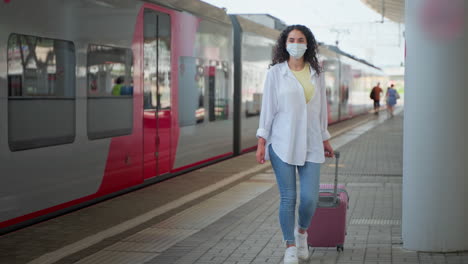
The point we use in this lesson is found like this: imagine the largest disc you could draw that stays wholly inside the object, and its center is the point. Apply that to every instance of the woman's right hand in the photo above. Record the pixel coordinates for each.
(261, 151)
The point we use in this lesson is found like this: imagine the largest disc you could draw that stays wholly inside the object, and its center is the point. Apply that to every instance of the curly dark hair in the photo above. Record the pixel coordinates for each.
(280, 54)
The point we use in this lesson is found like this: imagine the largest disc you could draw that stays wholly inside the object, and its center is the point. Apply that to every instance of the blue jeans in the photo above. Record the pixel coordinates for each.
(309, 176)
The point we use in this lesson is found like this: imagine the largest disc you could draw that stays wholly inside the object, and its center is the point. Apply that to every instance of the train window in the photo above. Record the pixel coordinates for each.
(192, 92)
(41, 92)
(253, 77)
(110, 91)
(204, 91)
(157, 61)
(218, 88)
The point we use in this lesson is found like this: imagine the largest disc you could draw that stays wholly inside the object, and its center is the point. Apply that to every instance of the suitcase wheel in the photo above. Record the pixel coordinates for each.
(339, 248)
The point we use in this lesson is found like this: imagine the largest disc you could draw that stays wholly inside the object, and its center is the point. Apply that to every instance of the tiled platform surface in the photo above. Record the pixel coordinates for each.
(239, 224)
(371, 167)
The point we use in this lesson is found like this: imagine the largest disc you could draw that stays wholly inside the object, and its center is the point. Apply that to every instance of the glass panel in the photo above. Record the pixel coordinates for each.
(110, 91)
(157, 61)
(204, 91)
(256, 56)
(331, 73)
(191, 91)
(200, 84)
(41, 92)
(150, 60)
(221, 102)
(40, 67)
(164, 61)
(109, 71)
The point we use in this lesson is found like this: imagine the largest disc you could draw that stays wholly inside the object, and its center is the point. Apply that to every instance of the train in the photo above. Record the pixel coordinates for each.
(101, 97)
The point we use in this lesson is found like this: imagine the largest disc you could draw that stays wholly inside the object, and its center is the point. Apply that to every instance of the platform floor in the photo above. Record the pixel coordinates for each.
(228, 213)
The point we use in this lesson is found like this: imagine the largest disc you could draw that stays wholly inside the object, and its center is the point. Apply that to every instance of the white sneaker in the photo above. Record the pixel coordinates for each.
(290, 256)
(302, 246)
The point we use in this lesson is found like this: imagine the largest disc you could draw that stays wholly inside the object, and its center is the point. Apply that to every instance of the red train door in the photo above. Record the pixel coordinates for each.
(157, 93)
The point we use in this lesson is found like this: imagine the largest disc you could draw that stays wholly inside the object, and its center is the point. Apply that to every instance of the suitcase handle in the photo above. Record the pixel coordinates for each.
(337, 154)
(335, 190)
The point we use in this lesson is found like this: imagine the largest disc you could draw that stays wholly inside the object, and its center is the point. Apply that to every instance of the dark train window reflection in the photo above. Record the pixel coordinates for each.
(110, 91)
(203, 91)
(41, 92)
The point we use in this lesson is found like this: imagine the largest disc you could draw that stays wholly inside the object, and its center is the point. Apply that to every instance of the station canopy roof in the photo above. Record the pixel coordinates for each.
(391, 9)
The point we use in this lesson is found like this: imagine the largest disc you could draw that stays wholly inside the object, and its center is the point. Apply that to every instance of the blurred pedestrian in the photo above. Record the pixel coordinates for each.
(375, 95)
(391, 99)
(293, 132)
(119, 82)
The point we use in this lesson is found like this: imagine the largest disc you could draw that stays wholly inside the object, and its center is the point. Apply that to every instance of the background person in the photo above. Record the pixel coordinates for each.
(293, 132)
(118, 83)
(375, 95)
(392, 97)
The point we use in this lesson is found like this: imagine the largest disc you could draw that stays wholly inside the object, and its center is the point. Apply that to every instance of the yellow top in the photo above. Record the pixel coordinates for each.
(303, 76)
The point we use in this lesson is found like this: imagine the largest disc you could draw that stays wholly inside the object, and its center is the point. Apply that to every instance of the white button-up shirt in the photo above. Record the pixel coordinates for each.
(295, 129)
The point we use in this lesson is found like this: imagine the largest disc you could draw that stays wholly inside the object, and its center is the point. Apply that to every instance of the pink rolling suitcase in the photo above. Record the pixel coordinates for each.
(328, 225)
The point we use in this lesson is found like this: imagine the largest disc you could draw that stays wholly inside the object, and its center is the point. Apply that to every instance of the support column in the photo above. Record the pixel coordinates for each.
(435, 163)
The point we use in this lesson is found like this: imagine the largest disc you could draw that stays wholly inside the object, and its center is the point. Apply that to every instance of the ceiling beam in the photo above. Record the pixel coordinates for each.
(391, 9)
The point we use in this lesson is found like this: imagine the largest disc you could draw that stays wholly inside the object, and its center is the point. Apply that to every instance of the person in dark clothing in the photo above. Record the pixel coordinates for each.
(375, 95)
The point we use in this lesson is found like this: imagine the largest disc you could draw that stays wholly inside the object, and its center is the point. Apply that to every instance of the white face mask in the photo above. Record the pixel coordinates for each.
(296, 50)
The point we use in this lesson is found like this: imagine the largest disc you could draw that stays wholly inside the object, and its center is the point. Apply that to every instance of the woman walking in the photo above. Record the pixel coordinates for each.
(293, 132)
(392, 97)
